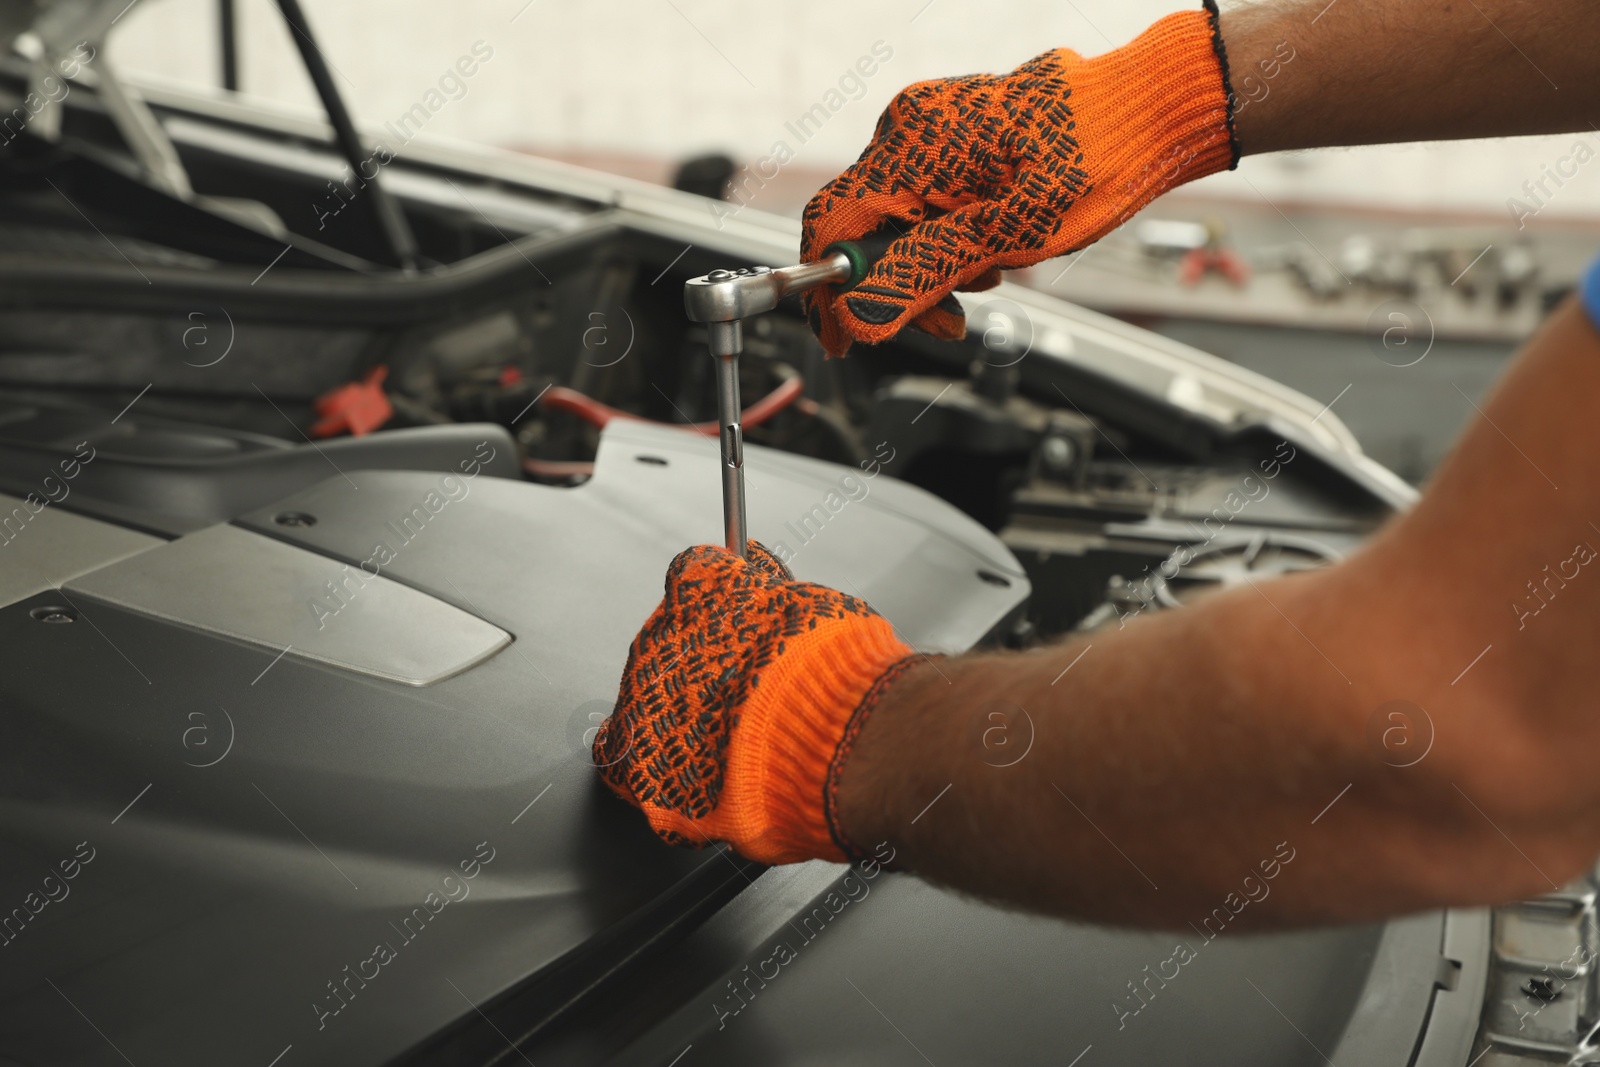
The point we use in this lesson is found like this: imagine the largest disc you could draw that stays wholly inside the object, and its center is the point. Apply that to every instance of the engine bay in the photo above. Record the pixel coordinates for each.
(327, 670)
(189, 371)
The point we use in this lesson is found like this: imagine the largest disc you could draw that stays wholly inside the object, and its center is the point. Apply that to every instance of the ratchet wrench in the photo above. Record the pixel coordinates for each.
(722, 300)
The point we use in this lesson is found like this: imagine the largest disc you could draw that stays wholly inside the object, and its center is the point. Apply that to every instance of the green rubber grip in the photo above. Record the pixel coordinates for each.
(863, 252)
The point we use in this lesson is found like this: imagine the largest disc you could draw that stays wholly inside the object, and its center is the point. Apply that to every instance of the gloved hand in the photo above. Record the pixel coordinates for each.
(990, 172)
(740, 699)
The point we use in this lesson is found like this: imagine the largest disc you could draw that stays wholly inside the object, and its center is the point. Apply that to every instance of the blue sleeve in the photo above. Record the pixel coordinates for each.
(1589, 292)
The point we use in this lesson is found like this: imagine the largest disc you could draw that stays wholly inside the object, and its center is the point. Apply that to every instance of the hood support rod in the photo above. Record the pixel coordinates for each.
(391, 221)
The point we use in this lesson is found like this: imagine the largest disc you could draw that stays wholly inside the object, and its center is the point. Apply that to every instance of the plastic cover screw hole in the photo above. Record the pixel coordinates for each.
(54, 615)
(654, 461)
(995, 579)
(294, 518)
(1541, 988)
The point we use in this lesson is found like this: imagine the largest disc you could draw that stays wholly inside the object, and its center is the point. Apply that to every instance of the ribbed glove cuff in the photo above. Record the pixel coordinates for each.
(1162, 116)
(794, 734)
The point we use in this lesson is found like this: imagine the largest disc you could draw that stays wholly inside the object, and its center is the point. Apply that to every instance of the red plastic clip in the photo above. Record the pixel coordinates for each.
(356, 408)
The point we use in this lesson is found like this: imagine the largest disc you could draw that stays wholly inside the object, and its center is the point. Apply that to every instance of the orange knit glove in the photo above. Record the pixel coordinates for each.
(997, 172)
(738, 705)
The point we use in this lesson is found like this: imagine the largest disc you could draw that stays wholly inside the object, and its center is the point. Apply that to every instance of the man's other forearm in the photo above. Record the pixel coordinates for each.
(1175, 757)
(1168, 762)
(1380, 71)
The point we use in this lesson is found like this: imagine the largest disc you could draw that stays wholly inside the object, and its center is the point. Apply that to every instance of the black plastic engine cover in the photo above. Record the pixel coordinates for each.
(270, 852)
(220, 852)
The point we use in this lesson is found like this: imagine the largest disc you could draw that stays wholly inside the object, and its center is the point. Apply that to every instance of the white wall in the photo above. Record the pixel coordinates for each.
(665, 78)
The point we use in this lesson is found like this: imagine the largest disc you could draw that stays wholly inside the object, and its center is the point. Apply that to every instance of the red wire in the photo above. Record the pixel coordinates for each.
(592, 411)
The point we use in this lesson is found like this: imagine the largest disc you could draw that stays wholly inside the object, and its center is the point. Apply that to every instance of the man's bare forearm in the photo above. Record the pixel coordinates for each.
(1194, 748)
(1363, 72)
(1170, 761)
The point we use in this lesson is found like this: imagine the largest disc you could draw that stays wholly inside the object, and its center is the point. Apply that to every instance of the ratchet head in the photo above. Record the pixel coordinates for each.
(731, 295)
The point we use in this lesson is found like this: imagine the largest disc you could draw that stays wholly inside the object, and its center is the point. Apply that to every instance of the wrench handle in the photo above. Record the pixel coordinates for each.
(862, 252)
(727, 343)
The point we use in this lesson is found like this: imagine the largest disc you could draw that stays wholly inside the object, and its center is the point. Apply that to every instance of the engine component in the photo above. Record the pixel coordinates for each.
(1065, 449)
(923, 413)
(1187, 573)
